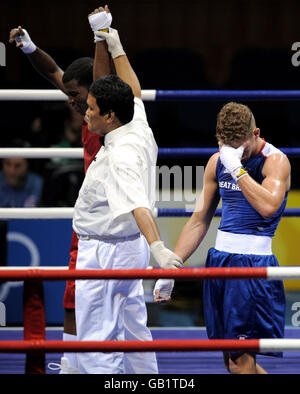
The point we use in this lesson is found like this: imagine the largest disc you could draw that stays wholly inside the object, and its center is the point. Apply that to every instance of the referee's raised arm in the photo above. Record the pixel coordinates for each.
(122, 65)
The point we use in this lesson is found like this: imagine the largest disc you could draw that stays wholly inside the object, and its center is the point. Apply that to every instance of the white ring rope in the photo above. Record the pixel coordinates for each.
(276, 273)
(42, 153)
(41, 213)
(278, 345)
(30, 267)
(51, 95)
(36, 213)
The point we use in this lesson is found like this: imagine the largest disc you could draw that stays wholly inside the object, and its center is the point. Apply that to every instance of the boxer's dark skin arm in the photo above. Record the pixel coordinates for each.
(47, 67)
(41, 61)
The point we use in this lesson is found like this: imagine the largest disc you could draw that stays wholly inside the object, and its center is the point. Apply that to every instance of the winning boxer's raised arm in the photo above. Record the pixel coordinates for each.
(41, 61)
(100, 20)
(102, 61)
(46, 66)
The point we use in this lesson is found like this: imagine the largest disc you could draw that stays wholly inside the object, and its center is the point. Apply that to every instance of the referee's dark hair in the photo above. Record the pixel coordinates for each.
(112, 94)
(81, 70)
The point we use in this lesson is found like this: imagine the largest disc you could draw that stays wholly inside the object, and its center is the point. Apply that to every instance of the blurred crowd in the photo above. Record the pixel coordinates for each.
(49, 182)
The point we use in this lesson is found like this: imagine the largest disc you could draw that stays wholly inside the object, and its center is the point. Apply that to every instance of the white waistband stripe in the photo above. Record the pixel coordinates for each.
(243, 243)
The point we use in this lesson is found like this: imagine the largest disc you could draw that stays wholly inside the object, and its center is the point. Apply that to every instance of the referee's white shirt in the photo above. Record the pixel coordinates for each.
(120, 179)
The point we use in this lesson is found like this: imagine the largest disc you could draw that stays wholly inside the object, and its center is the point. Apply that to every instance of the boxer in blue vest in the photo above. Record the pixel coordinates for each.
(252, 178)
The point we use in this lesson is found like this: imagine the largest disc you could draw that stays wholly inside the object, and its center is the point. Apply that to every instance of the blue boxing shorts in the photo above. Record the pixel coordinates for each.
(243, 309)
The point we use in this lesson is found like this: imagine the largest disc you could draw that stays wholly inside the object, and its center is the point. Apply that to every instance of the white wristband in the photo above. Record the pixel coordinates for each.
(239, 173)
(97, 38)
(28, 45)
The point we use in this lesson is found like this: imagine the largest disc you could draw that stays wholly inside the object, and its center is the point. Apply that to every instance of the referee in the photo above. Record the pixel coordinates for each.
(113, 217)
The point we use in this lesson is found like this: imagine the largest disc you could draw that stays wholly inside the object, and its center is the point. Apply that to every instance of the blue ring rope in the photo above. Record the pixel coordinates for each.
(180, 153)
(164, 95)
(181, 212)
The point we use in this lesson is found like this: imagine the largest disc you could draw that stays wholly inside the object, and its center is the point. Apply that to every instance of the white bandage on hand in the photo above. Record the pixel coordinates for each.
(163, 289)
(27, 44)
(231, 160)
(165, 257)
(113, 42)
(100, 21)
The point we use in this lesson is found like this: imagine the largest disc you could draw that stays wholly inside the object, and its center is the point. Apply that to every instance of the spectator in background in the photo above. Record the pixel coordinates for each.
(54, 124)
(63, 177)
(72, 129)
(19, 187)
(71, 137)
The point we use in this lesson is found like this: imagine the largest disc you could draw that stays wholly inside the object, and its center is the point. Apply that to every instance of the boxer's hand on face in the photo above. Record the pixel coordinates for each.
(100, 20)
(231, 160)
(22, 39)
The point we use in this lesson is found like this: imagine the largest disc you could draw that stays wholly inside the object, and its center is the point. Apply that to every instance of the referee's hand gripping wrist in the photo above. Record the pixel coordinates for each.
(113, 42)
(165, 257)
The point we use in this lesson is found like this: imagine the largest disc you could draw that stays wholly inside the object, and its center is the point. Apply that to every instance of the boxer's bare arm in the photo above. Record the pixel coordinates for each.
(198, 224)
(46, 66)
(41, 61)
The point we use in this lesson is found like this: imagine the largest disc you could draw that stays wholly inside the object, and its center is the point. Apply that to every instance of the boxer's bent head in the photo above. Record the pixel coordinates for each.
(235, 122)
(77, 79)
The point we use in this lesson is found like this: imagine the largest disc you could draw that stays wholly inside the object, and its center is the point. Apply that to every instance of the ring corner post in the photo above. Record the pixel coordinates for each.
(34, 324)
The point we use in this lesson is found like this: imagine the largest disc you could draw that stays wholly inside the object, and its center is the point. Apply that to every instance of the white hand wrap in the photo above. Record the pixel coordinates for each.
(165, 287)
(28, 45)
(165, 257)
(100, 22)
(231, 160)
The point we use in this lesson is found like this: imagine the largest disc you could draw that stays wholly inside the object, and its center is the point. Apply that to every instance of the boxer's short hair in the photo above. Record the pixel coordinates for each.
(234, 122)
(81, 70)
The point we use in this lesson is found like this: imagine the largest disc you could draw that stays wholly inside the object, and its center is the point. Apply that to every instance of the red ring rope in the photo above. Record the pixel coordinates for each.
(129, 346)
(190, 273)
(36, 345)
(40, 346)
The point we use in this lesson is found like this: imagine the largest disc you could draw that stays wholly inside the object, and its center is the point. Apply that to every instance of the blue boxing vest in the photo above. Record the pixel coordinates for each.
(238, 216)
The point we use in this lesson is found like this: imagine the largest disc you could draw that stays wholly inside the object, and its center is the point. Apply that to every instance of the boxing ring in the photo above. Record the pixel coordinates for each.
(190, 347)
